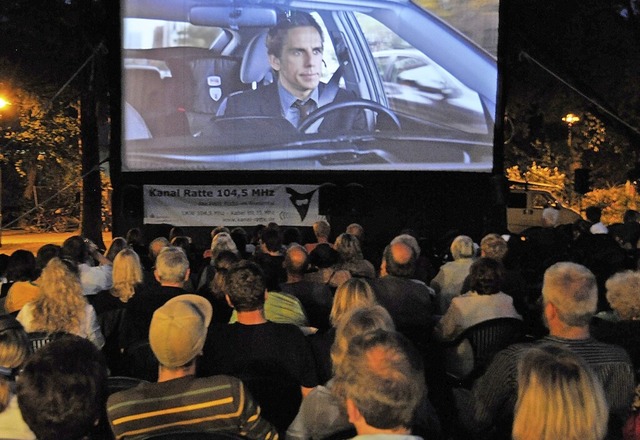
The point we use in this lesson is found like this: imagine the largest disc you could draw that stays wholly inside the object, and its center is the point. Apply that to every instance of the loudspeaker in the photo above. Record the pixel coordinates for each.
(581, 182)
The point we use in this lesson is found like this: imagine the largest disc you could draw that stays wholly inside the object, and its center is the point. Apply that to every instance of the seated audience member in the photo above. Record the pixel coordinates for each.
(214, 292)
(323, 260)
(381, 380)
(110, 306)
(14, 351)
(558, 397)
(321, 413)
(179, 400)
(184, 243)
(593, 214)
(448, 281)
(220, 242)
(484, 301)
(92, 278)
(322, 230)
(171, 272)
(155, 247)
(424, 270)
(353, 293)
(21, 275)
(621, 326)
(253, 345)
(61, 305)
(290, 236)
(282, 308)
(408, 300)
(241, 239)
(117, 244)
(316, 298)
(627, 233)
(62, 391)
(569, 296)
(135, 241)
(495, 247)
(351, 258)
(271, 258)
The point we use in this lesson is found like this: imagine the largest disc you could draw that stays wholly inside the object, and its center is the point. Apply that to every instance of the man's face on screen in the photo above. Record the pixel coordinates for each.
(300, 64)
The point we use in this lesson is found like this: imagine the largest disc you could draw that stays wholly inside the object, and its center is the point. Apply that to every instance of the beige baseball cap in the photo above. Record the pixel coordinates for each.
(179, 328)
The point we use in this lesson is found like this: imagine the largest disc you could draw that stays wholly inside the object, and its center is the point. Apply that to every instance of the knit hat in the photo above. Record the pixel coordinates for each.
(179, 328)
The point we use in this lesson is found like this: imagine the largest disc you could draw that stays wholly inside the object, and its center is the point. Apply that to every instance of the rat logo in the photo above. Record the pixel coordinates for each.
(300, 201)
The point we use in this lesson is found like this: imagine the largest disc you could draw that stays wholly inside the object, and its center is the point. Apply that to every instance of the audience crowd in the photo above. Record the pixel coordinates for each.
(263, 335)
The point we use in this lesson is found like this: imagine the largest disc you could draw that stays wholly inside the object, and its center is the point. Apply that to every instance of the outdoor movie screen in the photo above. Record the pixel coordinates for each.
(393, 85)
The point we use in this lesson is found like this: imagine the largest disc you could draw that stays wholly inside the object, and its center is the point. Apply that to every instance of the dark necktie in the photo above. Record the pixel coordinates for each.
(304, 108)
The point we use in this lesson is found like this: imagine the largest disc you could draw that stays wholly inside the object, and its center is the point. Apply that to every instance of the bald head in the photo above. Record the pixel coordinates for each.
(296, 260)
(400, 260)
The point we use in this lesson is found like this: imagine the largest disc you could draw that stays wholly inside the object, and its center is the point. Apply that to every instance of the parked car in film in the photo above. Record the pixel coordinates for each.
(427, 92)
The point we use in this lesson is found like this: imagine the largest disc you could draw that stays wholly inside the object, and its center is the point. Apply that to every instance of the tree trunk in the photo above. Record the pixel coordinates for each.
(91, 184)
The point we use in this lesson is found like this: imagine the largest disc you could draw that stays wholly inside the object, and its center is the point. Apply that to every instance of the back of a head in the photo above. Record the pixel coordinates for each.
(21, 266)
(572, 289)
(323, 255)
(485, 276)
(321, 229)
(245, 286)
(353, 293)
(400, 260)
(356, 230)
(623, 294)
(222, 264)
(558, 397)
(134, 237)
(348, 247)
(172, 265)
(46, 253)
(550, 217)
(126, 273)
(175, 231)
(410, 241)
(222, 242)
(74, 248)
(62, 390)
(382, 374)
(462, 247)
(117, 244)
(272, 239)
(357, 322)
(296, 260)
(156, 246)
(631, 216)
(14, 350)
(494, 246)
(593, 214)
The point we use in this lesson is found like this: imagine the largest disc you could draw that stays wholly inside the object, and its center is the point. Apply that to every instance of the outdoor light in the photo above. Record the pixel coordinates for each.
(571, 119)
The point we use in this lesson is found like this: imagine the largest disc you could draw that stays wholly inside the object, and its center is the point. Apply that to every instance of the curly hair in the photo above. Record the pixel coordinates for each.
(348, 246)
(623, 294)
(60, 307)
(127, 274)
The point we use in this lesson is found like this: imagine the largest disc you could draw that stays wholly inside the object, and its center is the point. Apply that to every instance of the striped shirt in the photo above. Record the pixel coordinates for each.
(210, 404)
(494, 395)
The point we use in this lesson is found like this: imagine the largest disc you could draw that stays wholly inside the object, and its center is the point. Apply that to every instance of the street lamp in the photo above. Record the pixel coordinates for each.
(3, 105)
(571, 119)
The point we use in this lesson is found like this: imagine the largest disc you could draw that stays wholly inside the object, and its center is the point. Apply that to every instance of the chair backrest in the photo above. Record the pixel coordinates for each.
(489, 337)
(121, 383)
(40, 339)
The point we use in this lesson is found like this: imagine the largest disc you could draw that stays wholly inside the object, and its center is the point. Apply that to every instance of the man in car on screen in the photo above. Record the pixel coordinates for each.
(295, 49)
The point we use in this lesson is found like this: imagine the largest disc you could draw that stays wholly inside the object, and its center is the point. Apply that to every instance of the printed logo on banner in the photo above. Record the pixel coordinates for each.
(300, 201)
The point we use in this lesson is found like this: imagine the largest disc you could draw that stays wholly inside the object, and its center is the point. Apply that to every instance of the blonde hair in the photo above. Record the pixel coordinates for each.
(14, 350)
(558, 397)
(623, 294)
(356, 322)
(127, 274)
(60, 306)
(355, 292)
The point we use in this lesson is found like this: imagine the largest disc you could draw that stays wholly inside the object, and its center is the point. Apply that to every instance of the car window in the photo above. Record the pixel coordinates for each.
(517, 200)
(417, 87)
(150, 34)
(542, 201)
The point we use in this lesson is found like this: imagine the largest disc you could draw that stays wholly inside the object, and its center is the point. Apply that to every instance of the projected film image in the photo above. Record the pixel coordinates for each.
(273, 85)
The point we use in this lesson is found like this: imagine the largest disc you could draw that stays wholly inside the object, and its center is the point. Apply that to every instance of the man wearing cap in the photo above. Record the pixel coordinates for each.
(179, 401)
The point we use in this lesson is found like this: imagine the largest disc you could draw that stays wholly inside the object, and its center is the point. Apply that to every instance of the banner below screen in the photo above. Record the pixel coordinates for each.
(240, 205)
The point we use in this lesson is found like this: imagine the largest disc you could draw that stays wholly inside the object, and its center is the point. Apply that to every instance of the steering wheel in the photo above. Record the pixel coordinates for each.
(364, 104)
